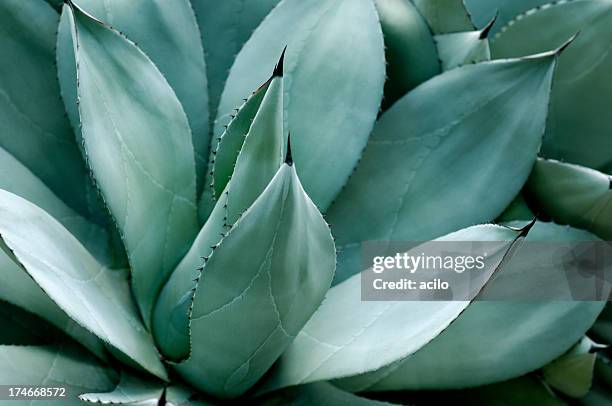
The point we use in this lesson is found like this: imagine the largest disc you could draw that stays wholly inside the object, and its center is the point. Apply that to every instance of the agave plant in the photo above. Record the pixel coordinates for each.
(185, 188)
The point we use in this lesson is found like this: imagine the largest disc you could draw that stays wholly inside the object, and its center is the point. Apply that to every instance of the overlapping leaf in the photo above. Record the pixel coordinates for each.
(258, 161)
(461, 48)
(577, 130)
(517, 336)
(328, 115)
(139, 148)
(168, 33)
(433, 166)
(98, 299)
(258, 288)
(369, 335)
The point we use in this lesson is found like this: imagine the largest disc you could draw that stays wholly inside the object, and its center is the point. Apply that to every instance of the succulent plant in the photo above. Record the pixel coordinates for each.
(186, 186)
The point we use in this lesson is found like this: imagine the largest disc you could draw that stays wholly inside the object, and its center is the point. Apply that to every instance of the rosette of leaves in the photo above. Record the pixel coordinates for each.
(169, 170)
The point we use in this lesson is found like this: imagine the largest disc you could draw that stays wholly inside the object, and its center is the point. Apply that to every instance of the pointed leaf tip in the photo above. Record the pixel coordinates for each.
(278, 69)
(525, 230)
(487, 28)
(289, 157)
(567, 43)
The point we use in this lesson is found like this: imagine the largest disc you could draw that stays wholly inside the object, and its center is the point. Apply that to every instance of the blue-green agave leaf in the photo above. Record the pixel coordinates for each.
(54, 366)
(230, 143)
(94, 296)
(258, 161)
(347, 336)
(33, 124)
(572, 373)
(329, 112)
(481, 11)
(516, 336)
(410, 50)
(445, 16)
(168, 33)
(258, 288)
(19, 289)
(138, 145)
(130, 389)
(462, 48)
(577, 130)
(225, 27)
(432, 166)
(572, 194)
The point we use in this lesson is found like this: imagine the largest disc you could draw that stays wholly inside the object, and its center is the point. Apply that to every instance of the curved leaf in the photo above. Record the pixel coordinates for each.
(139, 148)
(19, 289)
(98, 299)
(258, 288)
(410, 50)
(52, 366)
(406, 186)
(168, 33)
(328, 115)
(225, 26)
(33, 126)
(574, 195)
(577, 130)
(20, 327)
(500, 339)
(257, 163)
(445, 16)
(347, 336)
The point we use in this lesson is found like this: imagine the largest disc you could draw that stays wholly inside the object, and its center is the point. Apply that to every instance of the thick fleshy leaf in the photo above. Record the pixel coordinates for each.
(432, 167)
(91, 294)
(256, 164)
(229, 145)
(574, 195)
(572, 373)
(577, 129)
(51, 366)
(500, 339)
(319, 393)
(347, 336)
(130, 389)
(139, 147)
(410, 50)
(482, 11)
(328, 115)
(168, 33)
(258, 288)
(462, 48)
(33, 124)
(445, 16)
